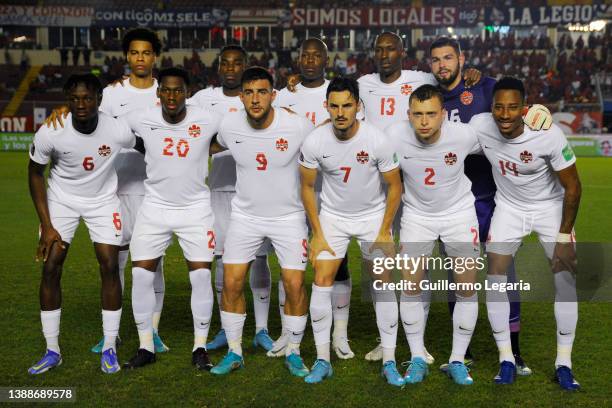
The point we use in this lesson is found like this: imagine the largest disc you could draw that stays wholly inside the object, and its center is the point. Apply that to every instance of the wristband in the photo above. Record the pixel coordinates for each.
(564, 238)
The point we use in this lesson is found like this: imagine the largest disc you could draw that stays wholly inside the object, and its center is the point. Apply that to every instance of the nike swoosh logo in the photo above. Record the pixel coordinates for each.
(66, 152)
(108, 365)
(295, 334)
(316, 321)
(38, 367)
(214, 103)
(304, 261)
(203, 324)
(326, 157)
(463, 328)
(406, 157)
(292, 104)
(497, 332)
(154, 128)
(239, 141)
(264, 297)
(117, 235)
(565, 334)
(408, 324)
(486, 147)
(123, 104)
(342, 352)
(393, 325)
(342, 307)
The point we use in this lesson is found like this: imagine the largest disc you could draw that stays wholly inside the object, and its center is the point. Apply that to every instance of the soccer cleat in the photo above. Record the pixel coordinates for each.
(521, 367)
(416, 372)
(109, 363)
(263, 339)
(375, 354)
(278, 348)
(219, 341)
(200, 359)
(296, 366)
(393, 377)
(429, 359)
(506, 374)
(320, 370)
(50, 360)
(142, 358)
(98, 347)
(460, 373)
(467, 361)
(565, 378)
(159, 345)
(342, 348)
(230, 362)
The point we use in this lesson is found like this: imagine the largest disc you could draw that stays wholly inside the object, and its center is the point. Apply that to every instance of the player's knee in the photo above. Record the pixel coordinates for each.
(294, 287)
(232, 284)
(52, 272)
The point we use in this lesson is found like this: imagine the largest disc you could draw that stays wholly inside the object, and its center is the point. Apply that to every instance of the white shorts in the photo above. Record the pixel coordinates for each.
(222, 209)
(130, 204)
(459, 232)
(155, 226)
(102, 220)
(339, 231)
(245, 236)
(509, 226)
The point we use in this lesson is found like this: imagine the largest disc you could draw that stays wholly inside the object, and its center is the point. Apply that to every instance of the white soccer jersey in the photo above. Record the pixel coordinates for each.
(117, 101)
(352, 186)
(307, 102)
(82, 168)
(268, 182)
(524, 167)
(385, 104)
(222, 175)
(176, 156)
(434, 180)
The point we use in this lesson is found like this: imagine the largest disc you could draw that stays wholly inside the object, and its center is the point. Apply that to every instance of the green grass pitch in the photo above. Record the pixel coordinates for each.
(265, 382)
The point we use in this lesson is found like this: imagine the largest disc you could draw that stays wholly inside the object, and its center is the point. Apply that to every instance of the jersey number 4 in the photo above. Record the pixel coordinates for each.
(182, 147)
(387, 106)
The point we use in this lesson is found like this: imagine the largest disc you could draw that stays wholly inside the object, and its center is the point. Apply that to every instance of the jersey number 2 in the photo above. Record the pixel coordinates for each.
(428, 179)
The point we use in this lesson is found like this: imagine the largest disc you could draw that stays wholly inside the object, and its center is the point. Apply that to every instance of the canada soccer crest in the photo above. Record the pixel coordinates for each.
(466, 97)
(526, 157)
(363, 157)
(194, 130)
(406, 89)
(282, 145)
(104, 150)
(450, 158)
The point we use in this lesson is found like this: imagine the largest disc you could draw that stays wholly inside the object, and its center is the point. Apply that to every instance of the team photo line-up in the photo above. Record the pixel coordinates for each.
(301, 171)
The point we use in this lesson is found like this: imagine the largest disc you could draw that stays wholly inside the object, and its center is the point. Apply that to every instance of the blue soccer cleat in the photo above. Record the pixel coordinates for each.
(460, 374)
(159, 345)
(320, 370)
(50, 360)
(296, 366)
(263, 339)
(393, 377)
(109, 363)
(218, 342)
(98, 347)
(506, 374)
(416, 372)
(565, 378)
(230, 362)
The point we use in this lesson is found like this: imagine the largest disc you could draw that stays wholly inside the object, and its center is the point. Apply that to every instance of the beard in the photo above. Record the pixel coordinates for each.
(450, 79)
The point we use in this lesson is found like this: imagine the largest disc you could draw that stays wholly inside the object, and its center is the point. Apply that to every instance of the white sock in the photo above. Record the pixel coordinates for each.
(159, 286)
(412, 314)
(233, 324)
(296, 325)
(260, 281)
(465, 316)
(50, 320)
(498, 310)
(566, 315)
(426, 299)
(219, 280)
(387, 320)
(341, 301)
(122, 260)
(202, 300)
(281, 304)
(143, 304)
(321, 318)
(111, 320)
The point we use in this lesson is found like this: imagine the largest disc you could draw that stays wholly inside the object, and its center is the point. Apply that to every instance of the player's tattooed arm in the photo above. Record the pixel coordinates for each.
(215, 146)
(564, 256)
(38, 192)
(384, 240)
(471, 76)
(57, 117)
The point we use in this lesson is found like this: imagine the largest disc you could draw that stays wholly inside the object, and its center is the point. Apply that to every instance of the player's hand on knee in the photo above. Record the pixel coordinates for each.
(57, 117)
(384, 242)
(318, 244)
(537, 117)
(471, 76)
(564, 257)
(48, 236)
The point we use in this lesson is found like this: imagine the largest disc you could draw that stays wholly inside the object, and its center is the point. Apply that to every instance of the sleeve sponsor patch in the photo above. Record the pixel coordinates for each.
(568, 153)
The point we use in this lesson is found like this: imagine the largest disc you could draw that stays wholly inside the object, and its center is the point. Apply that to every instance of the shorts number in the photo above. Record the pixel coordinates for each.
(347, 171)
(311, 116)
(506, 165)
(88, 163)
(387, 106)
(117, 221)
(430, 173)
(211, 239)
(305, 247)
(475, 232)
(182, 147)
(263, 162)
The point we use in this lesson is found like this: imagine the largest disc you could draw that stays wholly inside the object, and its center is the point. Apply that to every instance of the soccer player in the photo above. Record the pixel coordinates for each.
(461, 104)
(222, 182)
(309, 100)
(538, 190)
(82, 184)
(352, 156)
(438, 204)
(177, 139)
(265, 143)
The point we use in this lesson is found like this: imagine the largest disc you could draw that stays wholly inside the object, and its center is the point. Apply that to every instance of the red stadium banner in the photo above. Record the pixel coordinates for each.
(579, 122)
(46, 16)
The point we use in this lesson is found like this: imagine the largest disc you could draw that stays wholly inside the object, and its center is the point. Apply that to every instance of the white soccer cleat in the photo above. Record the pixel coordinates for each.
(429, 359)
(376, 354)
(279, 346)
(342, 348)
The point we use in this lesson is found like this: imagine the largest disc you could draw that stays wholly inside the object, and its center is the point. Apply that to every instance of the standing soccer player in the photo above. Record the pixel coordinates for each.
(538, 190)
(82, 184)
(177, 139)
(309, 100)
(265, 143)
(222, 182)
(352, 156)
(438, 204)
